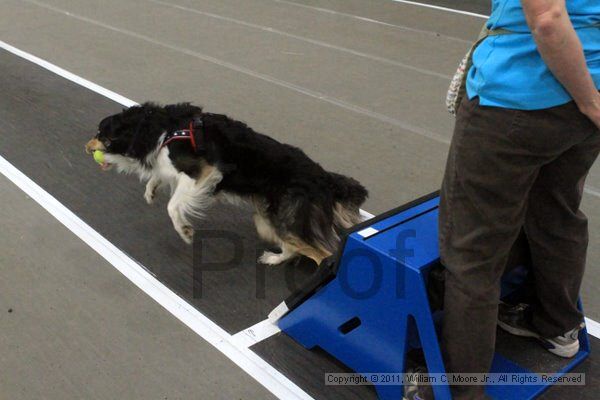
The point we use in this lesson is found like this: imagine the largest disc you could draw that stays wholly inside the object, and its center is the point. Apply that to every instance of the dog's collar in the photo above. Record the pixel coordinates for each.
(193, 133)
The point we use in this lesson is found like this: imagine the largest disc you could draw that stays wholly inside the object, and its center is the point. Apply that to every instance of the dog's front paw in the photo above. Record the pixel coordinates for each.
(270, 258)
(149, 194)
(187, 233)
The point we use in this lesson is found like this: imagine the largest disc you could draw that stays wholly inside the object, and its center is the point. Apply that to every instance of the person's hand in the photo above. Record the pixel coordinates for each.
(592, 110)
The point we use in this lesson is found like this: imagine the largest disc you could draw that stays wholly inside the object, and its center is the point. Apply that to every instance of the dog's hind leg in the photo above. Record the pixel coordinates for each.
(312, 252)
(345, 217)
(267, 232)
(270, 258)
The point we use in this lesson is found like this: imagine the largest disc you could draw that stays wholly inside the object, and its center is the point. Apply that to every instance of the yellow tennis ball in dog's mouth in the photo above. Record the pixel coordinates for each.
(99, 156)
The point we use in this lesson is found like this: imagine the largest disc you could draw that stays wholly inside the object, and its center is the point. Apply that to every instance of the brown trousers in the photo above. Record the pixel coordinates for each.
(510, 170)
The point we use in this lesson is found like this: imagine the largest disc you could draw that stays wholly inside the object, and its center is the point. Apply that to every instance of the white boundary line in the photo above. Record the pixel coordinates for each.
(256, 333)
(68, 75)
(452, 10)
(591, 190)
(241, 355)
(593, 327)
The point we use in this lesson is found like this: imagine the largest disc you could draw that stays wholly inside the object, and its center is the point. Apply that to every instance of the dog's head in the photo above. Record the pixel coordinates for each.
(127, 137)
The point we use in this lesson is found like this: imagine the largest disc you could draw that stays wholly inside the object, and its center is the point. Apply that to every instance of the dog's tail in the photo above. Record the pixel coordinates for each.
(349, 195)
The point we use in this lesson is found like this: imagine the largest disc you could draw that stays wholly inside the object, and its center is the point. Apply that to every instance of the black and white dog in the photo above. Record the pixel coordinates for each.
(202, 156)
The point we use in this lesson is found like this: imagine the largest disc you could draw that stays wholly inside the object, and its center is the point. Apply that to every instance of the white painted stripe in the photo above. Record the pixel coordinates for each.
(365, 215)
(591, 190)
(434, 7)
(593, 327)
(256, 333)
(367, 232)
(278, 312)
(243, 357)
(68, 75)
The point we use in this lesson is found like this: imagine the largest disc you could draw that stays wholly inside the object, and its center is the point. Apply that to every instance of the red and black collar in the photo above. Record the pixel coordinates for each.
(193, 134)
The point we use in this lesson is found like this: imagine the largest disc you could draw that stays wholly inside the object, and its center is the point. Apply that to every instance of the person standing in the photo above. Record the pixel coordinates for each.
(526, 135)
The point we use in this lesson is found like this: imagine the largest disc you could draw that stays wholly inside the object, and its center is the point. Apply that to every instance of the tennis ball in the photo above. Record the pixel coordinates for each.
(99, 156)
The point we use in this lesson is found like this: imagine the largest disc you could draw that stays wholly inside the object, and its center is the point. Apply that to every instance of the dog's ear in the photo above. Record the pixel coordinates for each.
(115, 125)
(108, 126)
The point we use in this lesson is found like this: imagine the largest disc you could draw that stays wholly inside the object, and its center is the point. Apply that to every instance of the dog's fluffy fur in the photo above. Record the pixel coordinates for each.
(298, 205)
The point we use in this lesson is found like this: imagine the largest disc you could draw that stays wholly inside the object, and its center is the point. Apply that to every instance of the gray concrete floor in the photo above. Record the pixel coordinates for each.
(361, 97)
(74, 328)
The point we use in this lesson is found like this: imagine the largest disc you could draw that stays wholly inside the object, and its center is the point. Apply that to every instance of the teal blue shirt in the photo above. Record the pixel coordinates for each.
(509, 72)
